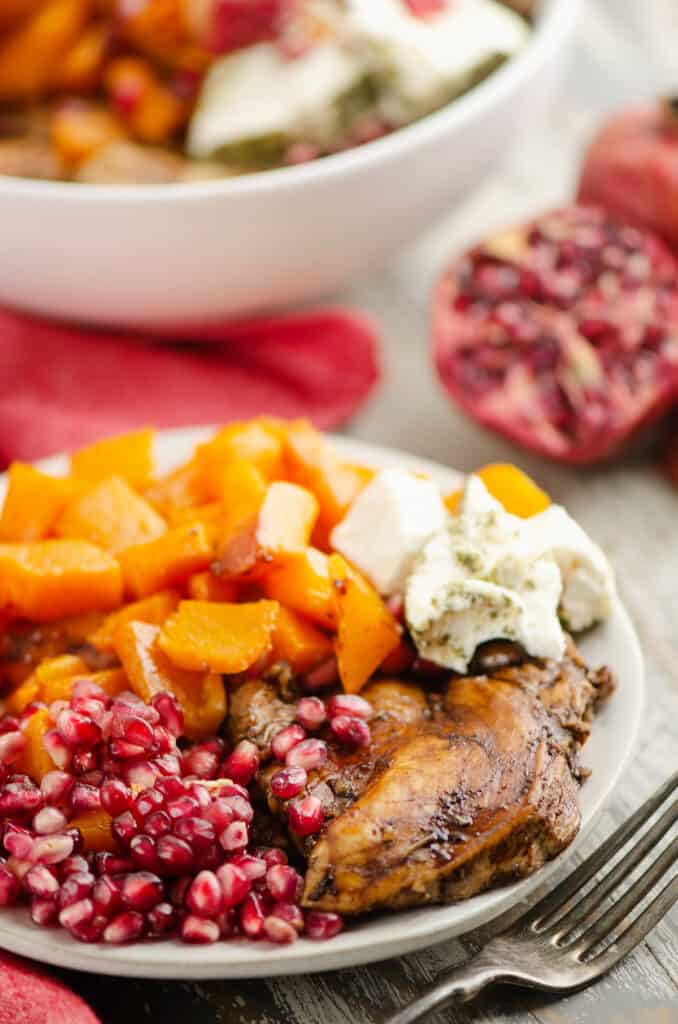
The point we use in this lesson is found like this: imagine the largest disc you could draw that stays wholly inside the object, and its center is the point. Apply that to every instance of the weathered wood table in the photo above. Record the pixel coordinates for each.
(625, 49)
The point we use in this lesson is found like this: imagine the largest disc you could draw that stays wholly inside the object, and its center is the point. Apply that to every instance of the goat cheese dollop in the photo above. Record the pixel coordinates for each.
(387, 525)
(490, 575)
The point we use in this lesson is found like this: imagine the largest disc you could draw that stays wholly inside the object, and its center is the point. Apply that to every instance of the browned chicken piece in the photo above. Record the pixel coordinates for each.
(458, 791)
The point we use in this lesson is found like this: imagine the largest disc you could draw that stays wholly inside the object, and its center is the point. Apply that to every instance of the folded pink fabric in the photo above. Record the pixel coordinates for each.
(64, 386)
(29, 996)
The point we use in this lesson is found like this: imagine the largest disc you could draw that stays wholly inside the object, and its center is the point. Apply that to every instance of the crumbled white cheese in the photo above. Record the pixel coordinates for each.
(387, 525)
(257, 93)
(491, 575)
(588, 580)
(426, 61)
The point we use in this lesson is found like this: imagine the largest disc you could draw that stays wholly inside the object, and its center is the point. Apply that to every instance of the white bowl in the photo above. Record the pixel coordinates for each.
(171, 254)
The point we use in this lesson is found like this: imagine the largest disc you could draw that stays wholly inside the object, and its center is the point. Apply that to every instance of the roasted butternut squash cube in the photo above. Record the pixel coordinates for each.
(31, 51)
(51, 579)
(254, 442)
(201, 694)
(299, 643)
(178, 489)
(166, 561)
(205, 586)
(366, 632)
(35, 761)
(301, 581)
(227, 638)
(154, 609)
(129, 456)
(96, 829)
(112, 516)
(112, 681)
(33, 503)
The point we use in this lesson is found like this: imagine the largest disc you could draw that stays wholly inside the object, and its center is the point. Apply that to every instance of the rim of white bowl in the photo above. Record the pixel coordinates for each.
(552, 28)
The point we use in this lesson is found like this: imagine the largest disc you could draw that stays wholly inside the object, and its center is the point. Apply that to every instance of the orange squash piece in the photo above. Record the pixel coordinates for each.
(80, 68)
(205, 586)
(30, 53)
(211, 514)
(154, 609)
(255, 442)
(128, 455)
(111, 515)
(178, 489)
(96, 830)
(35, 761)
(312, 463)
(297, 642)
(517, 492)
(19, 699)
(201, 694)
(112, 681)
(166, 561)
(51, 579)
(301, 581)
(367, 632)
(47, 677)
(227, 638)
(79, 130)
(33, 503)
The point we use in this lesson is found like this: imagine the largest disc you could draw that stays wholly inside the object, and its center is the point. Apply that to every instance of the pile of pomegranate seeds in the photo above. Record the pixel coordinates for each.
(562, 334)
(184, 864)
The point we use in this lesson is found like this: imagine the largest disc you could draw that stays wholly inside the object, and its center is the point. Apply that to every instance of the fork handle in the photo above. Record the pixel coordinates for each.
(460, 984)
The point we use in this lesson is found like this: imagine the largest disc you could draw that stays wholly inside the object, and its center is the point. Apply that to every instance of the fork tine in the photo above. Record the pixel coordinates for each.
(603, 925)
(636, 932)
(647, 842)
(542, 914)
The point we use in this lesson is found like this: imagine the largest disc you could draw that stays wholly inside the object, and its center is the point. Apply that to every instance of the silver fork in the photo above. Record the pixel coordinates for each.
(568, 940)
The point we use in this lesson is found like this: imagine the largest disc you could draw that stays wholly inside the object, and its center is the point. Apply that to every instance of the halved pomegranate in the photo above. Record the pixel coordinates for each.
(562, 334)
(631, 168)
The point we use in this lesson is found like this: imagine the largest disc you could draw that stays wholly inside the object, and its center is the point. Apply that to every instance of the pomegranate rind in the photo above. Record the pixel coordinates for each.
(514, 407)
(28, 996)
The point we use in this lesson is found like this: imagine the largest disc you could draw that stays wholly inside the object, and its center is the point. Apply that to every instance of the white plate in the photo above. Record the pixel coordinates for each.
(614, 735)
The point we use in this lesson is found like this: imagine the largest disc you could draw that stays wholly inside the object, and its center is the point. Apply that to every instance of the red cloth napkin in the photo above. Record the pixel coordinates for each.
(63, 386)
(28, 996)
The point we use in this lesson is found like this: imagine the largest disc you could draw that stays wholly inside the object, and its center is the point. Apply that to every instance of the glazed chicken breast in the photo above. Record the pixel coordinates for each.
(460, 789)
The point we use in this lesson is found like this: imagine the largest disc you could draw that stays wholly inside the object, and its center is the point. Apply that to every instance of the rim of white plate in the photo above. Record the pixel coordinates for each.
(613, 739)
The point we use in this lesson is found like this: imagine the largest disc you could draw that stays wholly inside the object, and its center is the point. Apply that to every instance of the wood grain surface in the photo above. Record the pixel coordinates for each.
(625, 50)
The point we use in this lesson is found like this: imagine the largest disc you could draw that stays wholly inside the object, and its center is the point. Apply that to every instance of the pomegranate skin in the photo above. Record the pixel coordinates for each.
(631, 168)
(560, 334)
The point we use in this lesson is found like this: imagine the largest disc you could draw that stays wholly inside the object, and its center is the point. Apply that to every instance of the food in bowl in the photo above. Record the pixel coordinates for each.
(224, 716)
(176, 90)
(559, 334)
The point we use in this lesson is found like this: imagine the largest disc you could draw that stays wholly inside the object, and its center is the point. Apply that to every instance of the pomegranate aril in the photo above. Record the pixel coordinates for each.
(30, 710)
(163, 741)
(44, 912)
(286, 739)
(89, 931)
(321, 678)
(220, 814)
(162, 919)
(311, 713)
(73, 864)
(171, 715)
(279, 931)
(19, 842)
(9, 886)
(252, 867)
(197, 832)
(125, 827)
(202, 763)
(126, 751)
(174, 855)
(241, 807)
(133, 730)
(288, 782)
(86, 690)
(289, 912)
(235, 885)
(282, 882)
(309, 754)
(140, 773)
(199, 930)
(75, 888)
(271, 855)
(322, 926)
(182, 807)
(12, 746)
(165, 764)
(228, 923)
(106, 897)
(20, 799)
(146, 803)
(242, 764)
(52, 849)
(126, 927)
(87, 706)
(142, 890)
(235, 837)
(57, 749)
(350, 704)
(8, 723)
(144, 852)
(84, 798)
(252, 916)
(306, 816)
(171, 787)
(41, 883)
(157, 824)
(204, 897)
(106, 863)
(351, 732)
(75, 914)
(77, 731)
(55, 787)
